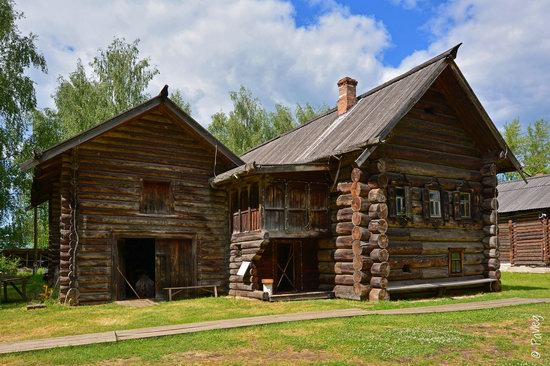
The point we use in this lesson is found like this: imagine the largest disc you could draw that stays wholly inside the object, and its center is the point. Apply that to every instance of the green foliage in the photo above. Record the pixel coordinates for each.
(177, 97)
(18, 53)
(8, 266)
(249, 124)
(532, 148)
(117, 82)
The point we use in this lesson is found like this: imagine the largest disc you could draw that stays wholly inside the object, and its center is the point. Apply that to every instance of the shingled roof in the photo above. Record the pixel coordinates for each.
(518, 196)
(370, 120)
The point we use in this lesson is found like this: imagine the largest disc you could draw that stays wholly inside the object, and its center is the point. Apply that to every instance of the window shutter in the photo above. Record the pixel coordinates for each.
(426, 203)
(392, 209)
(475, 204)
(456, 205)
(408, 202)
(445, 205)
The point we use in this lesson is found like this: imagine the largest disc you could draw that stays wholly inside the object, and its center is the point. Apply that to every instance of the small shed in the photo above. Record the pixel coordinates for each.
(524, 225)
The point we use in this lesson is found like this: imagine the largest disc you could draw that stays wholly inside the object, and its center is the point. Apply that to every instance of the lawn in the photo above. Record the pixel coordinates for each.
(492, 336)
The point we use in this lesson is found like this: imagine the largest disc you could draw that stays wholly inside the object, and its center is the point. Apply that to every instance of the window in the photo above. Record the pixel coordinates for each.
(156, 197)
(456, 257)
(465, 206)
(435, 204)
(400, 201)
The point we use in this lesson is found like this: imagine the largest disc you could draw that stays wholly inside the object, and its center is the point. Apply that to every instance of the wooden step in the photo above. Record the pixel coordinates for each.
(316, 295)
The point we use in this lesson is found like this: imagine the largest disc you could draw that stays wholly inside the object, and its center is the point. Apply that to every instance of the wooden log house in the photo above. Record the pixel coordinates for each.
(524, 221)
(129, 201)
(391, 193)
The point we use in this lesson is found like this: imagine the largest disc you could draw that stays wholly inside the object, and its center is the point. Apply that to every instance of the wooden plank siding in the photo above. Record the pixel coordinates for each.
(110, 170)
(527, 236)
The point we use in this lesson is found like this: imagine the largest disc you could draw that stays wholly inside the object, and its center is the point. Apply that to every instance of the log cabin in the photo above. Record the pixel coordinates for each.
(524, 224)
(130, 206)
(391, 193)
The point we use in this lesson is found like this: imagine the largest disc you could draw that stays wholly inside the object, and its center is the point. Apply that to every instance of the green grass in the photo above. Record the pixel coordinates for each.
(492, 336)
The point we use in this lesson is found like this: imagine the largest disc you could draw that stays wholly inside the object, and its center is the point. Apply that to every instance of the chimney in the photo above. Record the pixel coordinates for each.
(347, 96)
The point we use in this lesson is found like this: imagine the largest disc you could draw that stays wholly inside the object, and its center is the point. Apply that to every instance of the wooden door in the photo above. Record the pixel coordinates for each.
(174, 264)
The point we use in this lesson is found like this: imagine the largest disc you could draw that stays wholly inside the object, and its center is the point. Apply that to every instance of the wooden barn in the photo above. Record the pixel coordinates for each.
(130, 206)
(524, 221)
(391, 193)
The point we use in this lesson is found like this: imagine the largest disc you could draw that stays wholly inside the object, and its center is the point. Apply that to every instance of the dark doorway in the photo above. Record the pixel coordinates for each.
(147, 266)
(286, 267)
(295, 265)
(136, 267)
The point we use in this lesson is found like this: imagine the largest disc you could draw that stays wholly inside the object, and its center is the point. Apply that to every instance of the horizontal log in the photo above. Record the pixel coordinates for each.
(419, 261)
(362, 263)
(378, 294)
(443, 234)
(491, 229)
(362, 290)
(379, 226)
(377, 195)
(379, 255)
(343, 228)
(344, 200)
(490, 181)
(344, 242)
(380, 240)
(359, 189)
(360, 204)
(344, 214)
(376, 181)
(360, 219)
(345, 292)
(360, 233)
(431, 248)
(416, 181)
(361, 277)
(493, 264)
(421, 168)
(490, 204)
(489, 170)
(492, 253)
(381, 269)
(491, 241)
(338, 279)
(379, 282)
(336, 268)
(344, 187)
(495, 274)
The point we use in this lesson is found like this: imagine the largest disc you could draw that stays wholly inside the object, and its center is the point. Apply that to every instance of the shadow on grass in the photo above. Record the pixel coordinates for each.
(521, 288)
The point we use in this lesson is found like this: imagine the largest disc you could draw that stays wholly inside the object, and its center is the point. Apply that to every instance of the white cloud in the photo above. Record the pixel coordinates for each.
(209, 48)
(505, 55)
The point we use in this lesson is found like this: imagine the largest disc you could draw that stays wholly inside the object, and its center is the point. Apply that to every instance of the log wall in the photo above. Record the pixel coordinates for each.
(528, 238)
(108, 171)
(429, 147)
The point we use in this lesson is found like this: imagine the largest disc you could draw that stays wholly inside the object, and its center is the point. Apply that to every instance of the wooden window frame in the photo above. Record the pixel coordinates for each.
(439, 206)
(450, 255)
(170, 204)
(475, 199)
(467, 203)
(406, 212)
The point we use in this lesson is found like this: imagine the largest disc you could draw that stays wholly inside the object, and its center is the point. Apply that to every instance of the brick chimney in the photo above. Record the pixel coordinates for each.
(347, 96)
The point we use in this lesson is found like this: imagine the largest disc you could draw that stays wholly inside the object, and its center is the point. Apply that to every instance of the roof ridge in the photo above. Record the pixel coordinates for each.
(452, 52)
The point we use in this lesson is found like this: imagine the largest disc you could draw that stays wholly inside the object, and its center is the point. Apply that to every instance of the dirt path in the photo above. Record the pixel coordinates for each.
(115, 336)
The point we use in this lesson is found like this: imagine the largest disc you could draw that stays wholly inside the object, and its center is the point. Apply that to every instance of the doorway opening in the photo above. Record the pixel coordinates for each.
(136, 267)
(286, 267)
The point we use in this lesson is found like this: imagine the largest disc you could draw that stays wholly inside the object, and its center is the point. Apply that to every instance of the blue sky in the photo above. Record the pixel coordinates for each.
(294, 51)
(405, 24)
